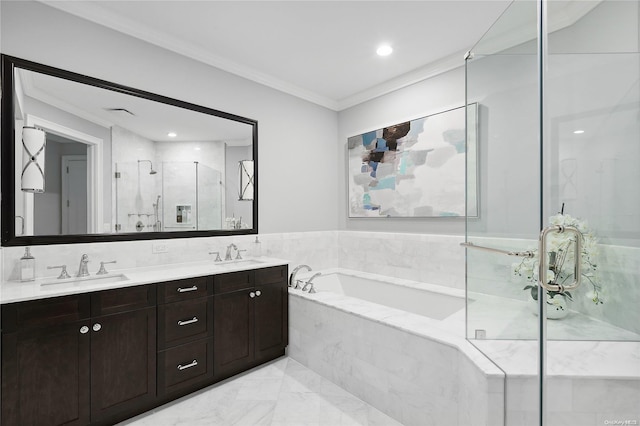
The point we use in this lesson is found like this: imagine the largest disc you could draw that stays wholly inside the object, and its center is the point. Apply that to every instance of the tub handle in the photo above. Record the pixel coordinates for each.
(310, 282)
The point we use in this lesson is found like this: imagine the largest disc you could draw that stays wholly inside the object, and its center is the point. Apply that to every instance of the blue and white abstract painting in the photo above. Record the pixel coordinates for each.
(410, 169)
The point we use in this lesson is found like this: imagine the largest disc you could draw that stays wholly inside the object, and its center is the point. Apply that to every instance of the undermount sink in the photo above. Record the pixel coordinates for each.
(95, 279)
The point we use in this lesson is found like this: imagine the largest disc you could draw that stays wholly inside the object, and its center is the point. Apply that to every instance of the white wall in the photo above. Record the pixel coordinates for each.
(293, 196)
(441, 93)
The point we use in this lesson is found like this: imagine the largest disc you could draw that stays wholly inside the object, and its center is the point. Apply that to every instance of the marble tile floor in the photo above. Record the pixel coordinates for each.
(280, 393)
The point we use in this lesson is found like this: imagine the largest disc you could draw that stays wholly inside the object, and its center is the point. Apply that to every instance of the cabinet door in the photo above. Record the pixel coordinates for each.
(123, 363)
(45, 376)
(271, 319)
(233, 334)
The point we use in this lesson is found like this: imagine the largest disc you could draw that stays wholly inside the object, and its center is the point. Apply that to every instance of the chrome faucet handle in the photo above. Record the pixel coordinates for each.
(102, 269)
(63, 273)
(312, 290)
(217, 253)
(238, 257)
(297, 285)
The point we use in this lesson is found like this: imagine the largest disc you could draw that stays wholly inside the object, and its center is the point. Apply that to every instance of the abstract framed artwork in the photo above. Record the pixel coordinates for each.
(415, 168)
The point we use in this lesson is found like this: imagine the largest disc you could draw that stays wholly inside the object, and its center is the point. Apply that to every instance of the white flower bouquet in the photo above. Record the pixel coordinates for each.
(561, 260)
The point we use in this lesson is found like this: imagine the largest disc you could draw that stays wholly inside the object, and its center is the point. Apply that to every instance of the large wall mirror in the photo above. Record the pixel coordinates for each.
(86, 160)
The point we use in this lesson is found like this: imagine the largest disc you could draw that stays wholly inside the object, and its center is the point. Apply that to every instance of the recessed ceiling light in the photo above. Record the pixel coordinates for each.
(384, 50)
(172, 134)
(578, 132)
(197, 148)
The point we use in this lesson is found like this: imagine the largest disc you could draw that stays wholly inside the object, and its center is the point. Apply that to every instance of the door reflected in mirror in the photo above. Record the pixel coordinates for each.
(121, 162)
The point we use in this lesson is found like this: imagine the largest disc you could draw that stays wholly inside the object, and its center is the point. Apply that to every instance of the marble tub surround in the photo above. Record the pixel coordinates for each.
(13, 291)
(418, 370)
(281, 393)
(587, 382)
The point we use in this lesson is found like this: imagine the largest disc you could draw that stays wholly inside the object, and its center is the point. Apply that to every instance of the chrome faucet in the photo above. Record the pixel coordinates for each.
(292, 278)
(309, 283)
(229, 248)
(83, 271)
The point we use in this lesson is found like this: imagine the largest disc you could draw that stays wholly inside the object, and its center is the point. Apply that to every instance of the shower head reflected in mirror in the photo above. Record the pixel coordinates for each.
(152, 172)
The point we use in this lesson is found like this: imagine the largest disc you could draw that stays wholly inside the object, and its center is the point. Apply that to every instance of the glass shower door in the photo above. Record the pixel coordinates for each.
(558, 143)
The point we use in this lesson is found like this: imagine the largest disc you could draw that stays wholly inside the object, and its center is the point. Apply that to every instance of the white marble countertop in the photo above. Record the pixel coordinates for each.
(12, 291)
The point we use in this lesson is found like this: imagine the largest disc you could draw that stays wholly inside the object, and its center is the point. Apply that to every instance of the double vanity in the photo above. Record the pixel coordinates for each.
(105, 348)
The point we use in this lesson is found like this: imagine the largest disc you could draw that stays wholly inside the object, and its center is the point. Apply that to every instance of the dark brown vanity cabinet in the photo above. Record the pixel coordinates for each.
(98, 358)
(78, 359)
(250, 318)
(185, 335)
(46, 362)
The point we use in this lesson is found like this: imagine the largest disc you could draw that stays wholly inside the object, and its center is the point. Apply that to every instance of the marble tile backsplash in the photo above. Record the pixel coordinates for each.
(318, 249)
(435, 259)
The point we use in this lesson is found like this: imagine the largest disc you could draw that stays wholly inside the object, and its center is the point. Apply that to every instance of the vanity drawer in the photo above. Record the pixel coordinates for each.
(272, 275)
(184, 366)
(174, 291)
(234, 281)
(122, 300)
(45, 312)
(182, 322)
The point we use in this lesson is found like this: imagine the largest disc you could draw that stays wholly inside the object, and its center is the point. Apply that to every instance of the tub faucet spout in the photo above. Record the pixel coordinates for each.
(292, 278)
(309, 283)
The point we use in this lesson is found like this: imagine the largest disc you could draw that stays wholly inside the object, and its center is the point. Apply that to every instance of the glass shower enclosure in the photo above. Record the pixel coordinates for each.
(179, 196)
(554, 89)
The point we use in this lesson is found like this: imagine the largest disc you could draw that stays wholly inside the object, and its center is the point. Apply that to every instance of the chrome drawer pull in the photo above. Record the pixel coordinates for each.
(184, 367)
(187, 322)
(184, 290)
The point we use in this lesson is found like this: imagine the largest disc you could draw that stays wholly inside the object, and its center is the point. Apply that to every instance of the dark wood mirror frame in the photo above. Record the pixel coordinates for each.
(7, 152)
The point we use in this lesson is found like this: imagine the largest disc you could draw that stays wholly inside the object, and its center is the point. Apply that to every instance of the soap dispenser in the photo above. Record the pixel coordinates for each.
(27, 266)
(256, 248)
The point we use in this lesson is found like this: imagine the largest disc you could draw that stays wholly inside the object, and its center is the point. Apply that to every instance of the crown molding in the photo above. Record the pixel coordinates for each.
(514, 35)
(431, 70)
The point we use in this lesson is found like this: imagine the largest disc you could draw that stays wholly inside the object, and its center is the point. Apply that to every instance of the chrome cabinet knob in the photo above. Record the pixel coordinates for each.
(97, 327)
(84, 329)
(252, 295)
(258, 293)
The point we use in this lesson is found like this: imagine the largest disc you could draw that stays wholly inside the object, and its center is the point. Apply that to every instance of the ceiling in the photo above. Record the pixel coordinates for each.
(321, 51)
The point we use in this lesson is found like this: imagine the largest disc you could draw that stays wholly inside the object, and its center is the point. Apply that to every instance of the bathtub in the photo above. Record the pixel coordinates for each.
(404, 295)
(398, 345)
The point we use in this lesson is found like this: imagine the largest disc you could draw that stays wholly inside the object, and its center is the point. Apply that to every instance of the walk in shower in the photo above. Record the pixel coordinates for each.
(555, 86)
(177, 196)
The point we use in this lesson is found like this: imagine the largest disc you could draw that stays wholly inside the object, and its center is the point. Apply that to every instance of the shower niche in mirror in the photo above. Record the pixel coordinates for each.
(119, 163)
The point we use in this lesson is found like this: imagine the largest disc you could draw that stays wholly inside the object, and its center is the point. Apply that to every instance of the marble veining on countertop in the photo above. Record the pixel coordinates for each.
(45, 287)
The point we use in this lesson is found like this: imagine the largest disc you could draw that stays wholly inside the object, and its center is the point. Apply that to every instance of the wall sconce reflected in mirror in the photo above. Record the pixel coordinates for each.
(33, 145)
(246, 180)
